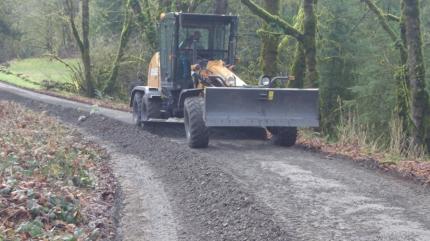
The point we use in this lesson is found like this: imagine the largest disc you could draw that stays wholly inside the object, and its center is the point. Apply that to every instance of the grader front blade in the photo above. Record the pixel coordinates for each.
(261, 107)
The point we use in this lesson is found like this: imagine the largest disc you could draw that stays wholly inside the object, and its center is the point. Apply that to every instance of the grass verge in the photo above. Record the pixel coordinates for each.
(49, 177)
(40, 69)
(13, 79)
(50, 77)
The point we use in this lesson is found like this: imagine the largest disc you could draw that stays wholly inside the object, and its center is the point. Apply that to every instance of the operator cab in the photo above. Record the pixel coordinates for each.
(210, 39)
(188, 39)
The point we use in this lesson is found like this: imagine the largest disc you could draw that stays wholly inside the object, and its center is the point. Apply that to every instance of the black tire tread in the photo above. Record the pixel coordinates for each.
(153, 107)
(286, 136)
(137, 108)
(199, 133)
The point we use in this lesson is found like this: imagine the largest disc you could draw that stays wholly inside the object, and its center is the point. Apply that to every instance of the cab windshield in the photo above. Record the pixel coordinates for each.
(211, 40)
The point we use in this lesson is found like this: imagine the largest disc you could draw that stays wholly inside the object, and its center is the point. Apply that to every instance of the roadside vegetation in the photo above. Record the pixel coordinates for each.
(393, 151)
(49, 179)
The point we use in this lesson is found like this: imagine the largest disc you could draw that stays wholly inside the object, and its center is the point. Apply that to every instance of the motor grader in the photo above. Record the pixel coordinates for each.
(191, 79)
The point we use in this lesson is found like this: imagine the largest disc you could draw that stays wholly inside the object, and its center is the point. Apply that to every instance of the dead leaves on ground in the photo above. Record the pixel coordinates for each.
(46, 178)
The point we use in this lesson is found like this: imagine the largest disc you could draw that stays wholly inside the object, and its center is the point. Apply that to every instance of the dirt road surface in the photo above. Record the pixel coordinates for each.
(240, 189)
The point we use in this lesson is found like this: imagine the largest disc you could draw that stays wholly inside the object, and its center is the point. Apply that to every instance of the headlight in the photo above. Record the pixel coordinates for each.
(265, 80)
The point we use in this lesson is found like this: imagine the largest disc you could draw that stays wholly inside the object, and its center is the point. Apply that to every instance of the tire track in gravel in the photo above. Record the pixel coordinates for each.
(146, 214)
(320, 198)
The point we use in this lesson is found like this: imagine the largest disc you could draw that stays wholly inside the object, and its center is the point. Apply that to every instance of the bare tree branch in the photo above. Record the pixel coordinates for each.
(382, 19)
(71, 13)
(269, 18)
(392, 17)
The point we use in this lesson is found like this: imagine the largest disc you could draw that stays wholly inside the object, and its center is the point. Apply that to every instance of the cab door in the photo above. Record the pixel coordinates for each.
(167, 51)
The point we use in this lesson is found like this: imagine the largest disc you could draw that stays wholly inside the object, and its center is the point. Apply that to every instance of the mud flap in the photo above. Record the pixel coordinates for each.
(261, 107)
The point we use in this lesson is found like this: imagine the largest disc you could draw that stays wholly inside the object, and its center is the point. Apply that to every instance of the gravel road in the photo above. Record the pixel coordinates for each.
(241, 189)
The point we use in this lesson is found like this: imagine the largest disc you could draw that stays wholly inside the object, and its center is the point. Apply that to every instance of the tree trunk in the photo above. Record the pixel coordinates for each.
(125, 33)
(86, 59)
(49, 35)
(270, 42)
(403, 97)
(309, 42)
(84, 43)
(220, 6)
(299, 67)
(416, 71)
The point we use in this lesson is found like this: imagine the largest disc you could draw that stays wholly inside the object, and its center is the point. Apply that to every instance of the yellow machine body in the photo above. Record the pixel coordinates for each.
(213, 68)
(154, 74)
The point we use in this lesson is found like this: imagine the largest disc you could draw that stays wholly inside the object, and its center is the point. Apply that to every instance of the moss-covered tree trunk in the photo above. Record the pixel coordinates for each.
(270, 42)
(403, 96)
(125, 33)
(416, 71)
(309, 42)
(298, 69)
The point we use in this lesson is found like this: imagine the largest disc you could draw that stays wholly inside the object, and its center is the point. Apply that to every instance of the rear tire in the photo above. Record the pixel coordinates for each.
(195, 128)
(137, 108)
(257, 133)
(150, 109)
(284, 136)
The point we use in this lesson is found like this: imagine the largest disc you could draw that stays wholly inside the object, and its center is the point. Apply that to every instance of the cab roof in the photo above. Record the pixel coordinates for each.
(190, 18)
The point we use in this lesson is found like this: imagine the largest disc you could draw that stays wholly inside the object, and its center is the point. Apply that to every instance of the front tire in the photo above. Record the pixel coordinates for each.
(284, 136)
(195, 128)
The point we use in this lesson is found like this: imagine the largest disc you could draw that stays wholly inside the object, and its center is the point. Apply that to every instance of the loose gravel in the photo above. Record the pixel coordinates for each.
(207, 202)
(244, 189)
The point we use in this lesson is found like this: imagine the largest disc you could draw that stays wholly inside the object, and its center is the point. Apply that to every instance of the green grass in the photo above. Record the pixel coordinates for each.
(39, 69)
(12, 79)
